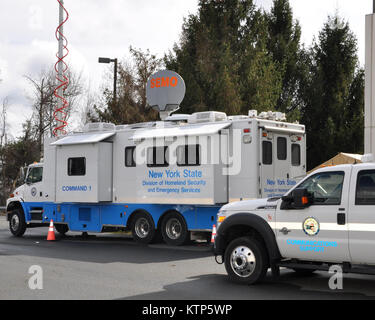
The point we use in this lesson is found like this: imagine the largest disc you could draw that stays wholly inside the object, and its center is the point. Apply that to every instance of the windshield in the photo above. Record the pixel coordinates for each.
(35, 175)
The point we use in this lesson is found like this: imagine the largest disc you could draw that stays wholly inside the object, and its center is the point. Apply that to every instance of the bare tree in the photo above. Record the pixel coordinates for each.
(44, 101)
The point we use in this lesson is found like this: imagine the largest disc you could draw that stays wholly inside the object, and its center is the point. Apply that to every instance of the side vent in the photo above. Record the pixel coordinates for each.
(84, 214)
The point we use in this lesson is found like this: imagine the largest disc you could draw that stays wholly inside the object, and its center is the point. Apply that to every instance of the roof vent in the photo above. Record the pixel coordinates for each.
(99, 126)
(253, 113)
(275, 116)
(208, 116)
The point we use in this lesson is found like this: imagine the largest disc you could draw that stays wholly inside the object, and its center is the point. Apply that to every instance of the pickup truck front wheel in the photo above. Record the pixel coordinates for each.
(17, 224)
(246, 260)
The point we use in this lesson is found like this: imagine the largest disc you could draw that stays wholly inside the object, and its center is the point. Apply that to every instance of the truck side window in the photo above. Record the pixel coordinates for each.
(296, 155)
(281, 148)
(157, 157)
(77, 166)
(188, 155)
(35, 175)
(267, 152)
(365, 193)
(129, 157)
(326, 187)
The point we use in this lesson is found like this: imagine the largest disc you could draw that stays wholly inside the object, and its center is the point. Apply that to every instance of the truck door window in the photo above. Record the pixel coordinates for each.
(365, 193)
(267, 152)
(77, 166)
(326, 187)
(35, 175)
(281, 148)
(188, 155)
(296, 155)
(157, 157)
(129, 157)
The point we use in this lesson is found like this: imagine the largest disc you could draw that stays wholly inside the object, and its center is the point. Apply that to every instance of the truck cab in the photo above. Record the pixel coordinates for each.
(326, 219)
(31, 190)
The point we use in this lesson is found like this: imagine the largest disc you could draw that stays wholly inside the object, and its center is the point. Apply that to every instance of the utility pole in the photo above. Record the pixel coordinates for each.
(370, 84)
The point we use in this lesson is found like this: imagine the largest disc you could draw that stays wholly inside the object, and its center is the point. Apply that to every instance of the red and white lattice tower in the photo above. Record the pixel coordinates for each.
(61, 111)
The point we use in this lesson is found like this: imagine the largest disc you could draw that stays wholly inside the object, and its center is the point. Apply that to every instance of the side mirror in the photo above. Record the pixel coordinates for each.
(297, 199)
(301, 198)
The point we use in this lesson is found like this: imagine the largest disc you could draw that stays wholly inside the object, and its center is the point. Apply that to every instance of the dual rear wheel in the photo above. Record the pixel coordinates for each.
(173, 229)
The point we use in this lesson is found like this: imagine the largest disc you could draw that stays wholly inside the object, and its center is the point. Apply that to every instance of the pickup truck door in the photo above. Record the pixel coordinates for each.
(318, 232)
(361, 217)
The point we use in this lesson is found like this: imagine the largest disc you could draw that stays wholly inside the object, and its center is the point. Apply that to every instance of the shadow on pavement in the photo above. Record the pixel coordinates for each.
(288, 286)
(100, 249)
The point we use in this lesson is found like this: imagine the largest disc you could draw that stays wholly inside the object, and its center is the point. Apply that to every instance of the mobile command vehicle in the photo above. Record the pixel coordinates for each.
(327, 219)
(159, 179)
(90, 182)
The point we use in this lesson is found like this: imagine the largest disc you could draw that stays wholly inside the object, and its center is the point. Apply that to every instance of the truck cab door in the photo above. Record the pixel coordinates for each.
(33, 188)
(361, 216)
(318, 232)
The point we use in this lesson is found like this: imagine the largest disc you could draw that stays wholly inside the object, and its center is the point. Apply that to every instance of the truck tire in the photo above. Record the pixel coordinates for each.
(17, 223)
(143, 228)
(62, 228)
(174, 229)
(246, 260)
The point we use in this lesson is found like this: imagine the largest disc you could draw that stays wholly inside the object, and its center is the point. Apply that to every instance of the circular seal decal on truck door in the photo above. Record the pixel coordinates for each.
(311, 226)
(33, 192)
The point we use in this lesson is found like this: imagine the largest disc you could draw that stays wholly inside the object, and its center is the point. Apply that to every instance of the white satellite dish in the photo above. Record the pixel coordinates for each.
(165, 91)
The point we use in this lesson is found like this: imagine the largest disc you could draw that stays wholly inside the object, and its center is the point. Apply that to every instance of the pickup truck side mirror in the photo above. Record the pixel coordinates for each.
(298, 199)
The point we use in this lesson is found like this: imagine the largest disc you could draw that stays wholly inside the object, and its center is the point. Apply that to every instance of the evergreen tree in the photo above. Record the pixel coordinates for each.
(332, 94)
(224, 60)
(284, 45)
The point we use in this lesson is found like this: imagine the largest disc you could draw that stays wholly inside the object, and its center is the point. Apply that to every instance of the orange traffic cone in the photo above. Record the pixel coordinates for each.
(51, 232)
(213, 234)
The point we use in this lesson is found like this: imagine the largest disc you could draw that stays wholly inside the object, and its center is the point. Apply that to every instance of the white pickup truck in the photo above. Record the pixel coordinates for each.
(326, 219)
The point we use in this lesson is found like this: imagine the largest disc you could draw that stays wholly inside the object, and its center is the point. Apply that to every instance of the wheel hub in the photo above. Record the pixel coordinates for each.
(173, 229)
(15, 222)
(142, 228)
(243, 261)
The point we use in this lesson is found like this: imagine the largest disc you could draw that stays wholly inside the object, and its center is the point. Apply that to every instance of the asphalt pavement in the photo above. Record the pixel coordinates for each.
(111, 266)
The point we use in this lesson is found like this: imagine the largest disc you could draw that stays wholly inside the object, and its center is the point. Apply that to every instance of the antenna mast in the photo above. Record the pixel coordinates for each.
(61, 113)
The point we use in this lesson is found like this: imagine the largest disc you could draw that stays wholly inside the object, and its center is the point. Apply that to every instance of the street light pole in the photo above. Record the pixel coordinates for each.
(108, 60)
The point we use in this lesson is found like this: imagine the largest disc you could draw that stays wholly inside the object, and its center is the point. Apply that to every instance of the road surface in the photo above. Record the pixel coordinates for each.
(115, 267)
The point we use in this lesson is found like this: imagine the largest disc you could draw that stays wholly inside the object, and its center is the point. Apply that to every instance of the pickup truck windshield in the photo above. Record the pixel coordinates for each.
(326, 187)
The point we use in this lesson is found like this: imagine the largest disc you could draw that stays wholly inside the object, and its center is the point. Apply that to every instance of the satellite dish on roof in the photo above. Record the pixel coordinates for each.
(165, 91)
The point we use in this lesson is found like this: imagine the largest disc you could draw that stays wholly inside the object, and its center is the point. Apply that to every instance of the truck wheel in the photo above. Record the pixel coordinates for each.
(62, 228)
(174, 229)
(17, 224)
(143, 228)
(246, 260)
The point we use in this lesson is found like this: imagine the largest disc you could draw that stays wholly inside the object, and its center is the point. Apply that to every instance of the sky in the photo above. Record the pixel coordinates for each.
(107, 28)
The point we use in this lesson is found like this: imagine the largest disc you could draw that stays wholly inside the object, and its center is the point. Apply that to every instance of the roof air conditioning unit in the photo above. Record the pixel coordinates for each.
(99, 126)
(208, 116)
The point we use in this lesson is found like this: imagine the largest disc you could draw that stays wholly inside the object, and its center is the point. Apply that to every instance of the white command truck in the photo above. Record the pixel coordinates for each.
(159, 179)
(327, 219)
